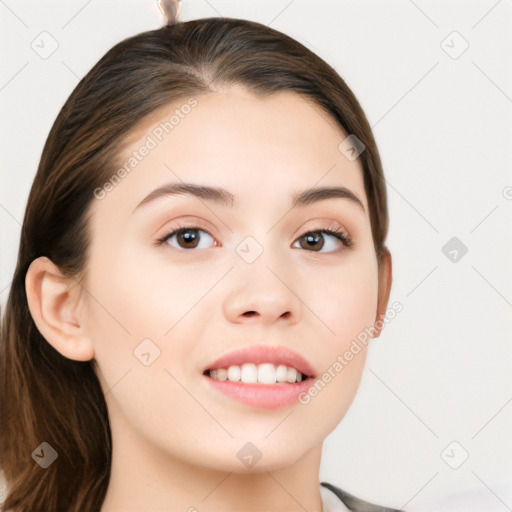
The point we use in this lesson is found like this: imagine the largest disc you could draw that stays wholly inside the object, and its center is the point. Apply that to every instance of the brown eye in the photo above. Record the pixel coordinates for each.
(187, 238)
(315, 240)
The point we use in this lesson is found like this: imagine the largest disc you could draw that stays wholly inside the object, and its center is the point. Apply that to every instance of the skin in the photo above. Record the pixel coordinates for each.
(175, 440)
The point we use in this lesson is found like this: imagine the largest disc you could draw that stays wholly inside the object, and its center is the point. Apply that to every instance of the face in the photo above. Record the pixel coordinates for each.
(250, 269)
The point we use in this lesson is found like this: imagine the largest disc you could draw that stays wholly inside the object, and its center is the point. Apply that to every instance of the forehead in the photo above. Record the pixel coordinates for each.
(253, 146)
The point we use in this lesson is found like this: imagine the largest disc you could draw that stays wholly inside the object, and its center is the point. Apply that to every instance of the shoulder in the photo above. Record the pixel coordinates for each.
(356, 504)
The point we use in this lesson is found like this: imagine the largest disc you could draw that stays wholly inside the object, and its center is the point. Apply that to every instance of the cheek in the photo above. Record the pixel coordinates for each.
(136, 295)
(136, 308)
(346, 301)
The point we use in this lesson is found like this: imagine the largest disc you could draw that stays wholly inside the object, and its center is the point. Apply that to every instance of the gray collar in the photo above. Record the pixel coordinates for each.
(356, 504)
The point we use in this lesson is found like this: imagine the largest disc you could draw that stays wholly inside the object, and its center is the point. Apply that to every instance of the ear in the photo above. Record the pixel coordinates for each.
(55, 303)
(385, 279)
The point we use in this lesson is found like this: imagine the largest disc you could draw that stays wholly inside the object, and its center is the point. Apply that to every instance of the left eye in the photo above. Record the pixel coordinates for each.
(188, 238)
(311, 239)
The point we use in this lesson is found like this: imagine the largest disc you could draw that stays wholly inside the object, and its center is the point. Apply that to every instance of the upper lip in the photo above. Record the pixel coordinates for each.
(258, 354)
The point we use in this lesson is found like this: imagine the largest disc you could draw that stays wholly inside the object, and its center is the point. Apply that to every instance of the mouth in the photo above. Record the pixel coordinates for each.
(264, 364)
(261, 376)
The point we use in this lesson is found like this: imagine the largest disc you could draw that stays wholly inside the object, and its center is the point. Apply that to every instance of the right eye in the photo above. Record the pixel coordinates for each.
(186, 238)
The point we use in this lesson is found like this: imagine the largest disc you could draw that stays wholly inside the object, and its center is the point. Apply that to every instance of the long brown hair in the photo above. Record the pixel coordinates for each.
(44, 396)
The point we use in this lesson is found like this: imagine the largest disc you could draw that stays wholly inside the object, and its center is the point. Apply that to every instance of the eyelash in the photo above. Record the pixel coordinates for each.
(332, 230)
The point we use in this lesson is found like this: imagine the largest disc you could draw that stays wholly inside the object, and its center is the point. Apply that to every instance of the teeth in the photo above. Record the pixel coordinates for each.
(291, 375)
(249, 373)
(233, 373)
(281, 373)
(222, 374)
(265, 373)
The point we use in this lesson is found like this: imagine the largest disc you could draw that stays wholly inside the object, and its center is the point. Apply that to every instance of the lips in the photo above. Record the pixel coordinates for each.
(259, 354)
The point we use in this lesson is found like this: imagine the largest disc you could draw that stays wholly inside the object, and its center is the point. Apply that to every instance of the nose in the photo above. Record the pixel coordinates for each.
(261, 294)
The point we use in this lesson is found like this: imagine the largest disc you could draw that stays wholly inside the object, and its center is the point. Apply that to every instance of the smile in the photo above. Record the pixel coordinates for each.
(250, 373)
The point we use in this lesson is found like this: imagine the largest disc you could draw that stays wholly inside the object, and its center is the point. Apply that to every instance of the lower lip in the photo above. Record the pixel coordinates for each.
(266, 396)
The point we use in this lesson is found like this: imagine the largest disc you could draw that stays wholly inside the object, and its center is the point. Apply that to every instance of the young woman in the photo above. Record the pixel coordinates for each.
(201, 259)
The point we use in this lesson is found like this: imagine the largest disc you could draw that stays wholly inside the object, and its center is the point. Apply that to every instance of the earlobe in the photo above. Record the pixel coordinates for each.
(54, 302)
(385, 280)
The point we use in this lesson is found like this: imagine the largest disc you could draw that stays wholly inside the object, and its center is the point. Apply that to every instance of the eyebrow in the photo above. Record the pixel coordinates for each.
(224, 197)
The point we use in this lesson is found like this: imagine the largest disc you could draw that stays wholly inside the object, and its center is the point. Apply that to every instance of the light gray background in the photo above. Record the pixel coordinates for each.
(440, 372)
